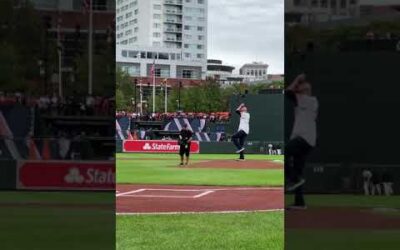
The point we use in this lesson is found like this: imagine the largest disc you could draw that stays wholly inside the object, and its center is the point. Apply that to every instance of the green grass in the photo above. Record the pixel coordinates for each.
(346, 239)
(57, 220)
(343, 240)
(138, 169)
(201, 232)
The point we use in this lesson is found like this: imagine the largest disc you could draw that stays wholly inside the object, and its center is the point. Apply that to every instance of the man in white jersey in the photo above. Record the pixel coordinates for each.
(243, 131)
(303, 136)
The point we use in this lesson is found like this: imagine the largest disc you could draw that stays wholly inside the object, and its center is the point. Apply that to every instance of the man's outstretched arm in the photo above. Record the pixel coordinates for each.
(238, 108)
(293, 86)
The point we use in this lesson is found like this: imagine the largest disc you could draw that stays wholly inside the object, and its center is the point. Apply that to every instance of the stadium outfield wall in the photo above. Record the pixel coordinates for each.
(266, 116)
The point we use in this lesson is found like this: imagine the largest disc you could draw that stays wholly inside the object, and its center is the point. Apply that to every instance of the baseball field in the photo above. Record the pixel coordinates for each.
(344, 222)
(56, 220)
(213, 203)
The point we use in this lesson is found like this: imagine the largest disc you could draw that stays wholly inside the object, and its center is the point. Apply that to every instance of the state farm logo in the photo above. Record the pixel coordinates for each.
(74, 176)
(92, 176)
(147, 146)
(160, 146)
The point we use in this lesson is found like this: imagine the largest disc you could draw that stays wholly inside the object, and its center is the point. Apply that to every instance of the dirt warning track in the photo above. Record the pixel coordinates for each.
(142, 199)
(233, 164)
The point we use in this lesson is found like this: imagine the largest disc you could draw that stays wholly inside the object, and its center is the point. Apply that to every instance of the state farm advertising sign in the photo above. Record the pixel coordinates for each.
(156, 146)
(66, 175)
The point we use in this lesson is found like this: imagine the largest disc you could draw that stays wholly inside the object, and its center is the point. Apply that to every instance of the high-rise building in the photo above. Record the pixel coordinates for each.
(171, 33)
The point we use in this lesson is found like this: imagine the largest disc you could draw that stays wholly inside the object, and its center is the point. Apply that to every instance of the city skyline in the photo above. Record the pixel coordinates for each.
(245, 31)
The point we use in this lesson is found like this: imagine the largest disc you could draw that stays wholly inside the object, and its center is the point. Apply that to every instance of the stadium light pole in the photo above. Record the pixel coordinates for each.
(166, 96)
(90, 48)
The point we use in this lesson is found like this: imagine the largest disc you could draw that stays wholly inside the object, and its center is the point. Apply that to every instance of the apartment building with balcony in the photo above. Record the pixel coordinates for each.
(163, 27)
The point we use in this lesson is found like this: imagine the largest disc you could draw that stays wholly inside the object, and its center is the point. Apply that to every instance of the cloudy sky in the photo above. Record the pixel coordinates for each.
(243, 31)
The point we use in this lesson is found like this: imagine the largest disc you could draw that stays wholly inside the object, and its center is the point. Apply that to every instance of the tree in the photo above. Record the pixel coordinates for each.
(124, 91)
(21, 36)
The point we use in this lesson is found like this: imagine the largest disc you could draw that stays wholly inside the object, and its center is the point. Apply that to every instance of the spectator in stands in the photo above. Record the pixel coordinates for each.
(63, 145)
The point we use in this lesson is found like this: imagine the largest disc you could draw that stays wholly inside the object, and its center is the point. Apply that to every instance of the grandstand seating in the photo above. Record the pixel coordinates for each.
(208, 132)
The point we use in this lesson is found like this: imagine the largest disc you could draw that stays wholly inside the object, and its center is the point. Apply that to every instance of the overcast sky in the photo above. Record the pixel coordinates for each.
(243, 31)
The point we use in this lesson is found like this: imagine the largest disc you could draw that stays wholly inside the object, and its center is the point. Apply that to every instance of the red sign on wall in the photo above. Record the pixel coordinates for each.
(66, 175)
(156, 146)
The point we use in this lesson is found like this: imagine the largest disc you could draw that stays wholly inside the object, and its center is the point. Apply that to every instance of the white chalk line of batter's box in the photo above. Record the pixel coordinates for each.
(202, 212)
(204, 193)
(131, 192)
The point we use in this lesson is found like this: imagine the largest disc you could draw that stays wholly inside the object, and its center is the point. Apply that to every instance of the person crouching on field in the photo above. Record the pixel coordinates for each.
(244, 126)
(185, 139)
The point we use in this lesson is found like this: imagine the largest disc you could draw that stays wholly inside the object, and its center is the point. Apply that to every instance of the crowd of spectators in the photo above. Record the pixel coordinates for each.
(212, 117)
(54, 105)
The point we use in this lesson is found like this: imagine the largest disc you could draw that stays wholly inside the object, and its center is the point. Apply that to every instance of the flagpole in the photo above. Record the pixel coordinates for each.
(60, 92)
(90, 49)
(154, 86)
(166, 96)
(141, 97)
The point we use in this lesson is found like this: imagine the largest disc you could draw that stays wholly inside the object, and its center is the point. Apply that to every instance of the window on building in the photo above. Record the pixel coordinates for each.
(314, 3)
(201, 19)
(187, 27)
(135, 20)
(172, 56)
(188, 18)
(200, 1)
(136, 30)
(333, 3)
(156, 25)
(188, 1)
(200, 56)
(200, 28)
(151, 55)
(157, 72)
(136, 11)
(188, 36)
(163, 56)
(124, 42)
(124, 53)
(343, 4)
(128, 15)
(133, 53)
(156, 16)
(187, 74)
(252, 72)
(187, 55)
(157, 6)
(186, 46)
(128, 32)
(200, 38)
(264, 72)
(199, 46)
(156, 34)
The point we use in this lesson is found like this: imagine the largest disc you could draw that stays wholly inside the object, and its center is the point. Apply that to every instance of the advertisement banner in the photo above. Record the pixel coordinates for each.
(156, 146)
(66, 175)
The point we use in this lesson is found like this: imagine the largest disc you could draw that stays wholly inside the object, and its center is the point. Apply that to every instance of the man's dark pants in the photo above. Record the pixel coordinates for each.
(238, 139)
(296, 151)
